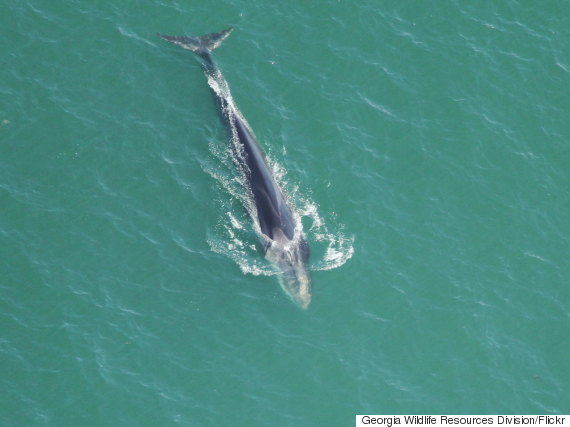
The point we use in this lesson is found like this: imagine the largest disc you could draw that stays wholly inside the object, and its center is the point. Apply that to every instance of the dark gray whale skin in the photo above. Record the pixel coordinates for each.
(283, 245)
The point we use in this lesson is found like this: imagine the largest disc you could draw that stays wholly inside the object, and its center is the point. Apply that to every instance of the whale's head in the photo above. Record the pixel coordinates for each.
(290, 258)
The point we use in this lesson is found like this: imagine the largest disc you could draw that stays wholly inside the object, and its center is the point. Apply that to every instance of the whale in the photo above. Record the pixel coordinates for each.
(284, 243)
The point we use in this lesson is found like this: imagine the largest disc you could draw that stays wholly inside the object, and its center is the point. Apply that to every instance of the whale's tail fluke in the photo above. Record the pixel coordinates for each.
(201, 44)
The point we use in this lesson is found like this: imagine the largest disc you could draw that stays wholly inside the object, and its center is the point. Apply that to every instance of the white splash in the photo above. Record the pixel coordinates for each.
(237, 233)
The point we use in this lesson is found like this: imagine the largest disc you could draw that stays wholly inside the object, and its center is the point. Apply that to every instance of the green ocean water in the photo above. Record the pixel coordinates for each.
(425, 146)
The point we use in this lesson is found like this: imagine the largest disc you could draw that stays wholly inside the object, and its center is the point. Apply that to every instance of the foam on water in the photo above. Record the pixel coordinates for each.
(233, 238)
(331, 247)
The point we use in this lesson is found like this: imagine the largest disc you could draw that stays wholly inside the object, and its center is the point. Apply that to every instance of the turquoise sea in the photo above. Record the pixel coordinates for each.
(425, 146)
